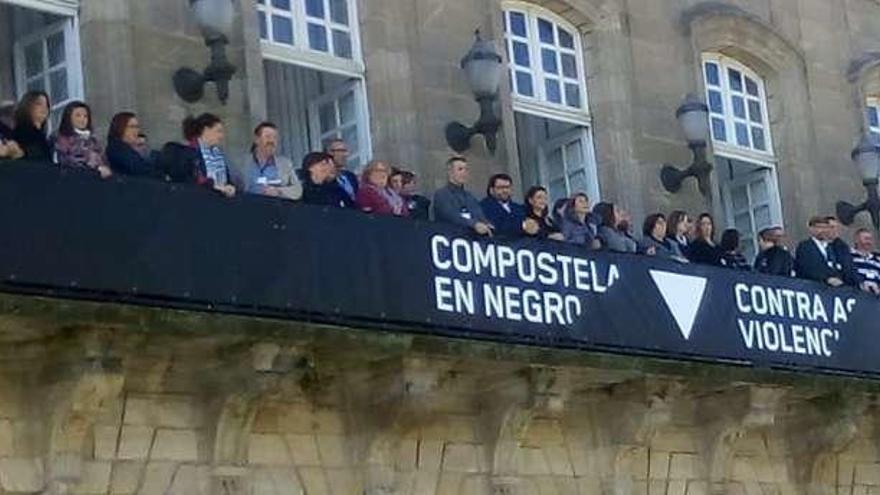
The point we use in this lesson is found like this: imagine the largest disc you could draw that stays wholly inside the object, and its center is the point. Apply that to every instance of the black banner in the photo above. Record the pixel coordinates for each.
(146, 242)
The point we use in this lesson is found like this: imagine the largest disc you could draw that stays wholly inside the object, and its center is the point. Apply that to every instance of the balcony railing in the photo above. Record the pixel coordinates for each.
(67, 234)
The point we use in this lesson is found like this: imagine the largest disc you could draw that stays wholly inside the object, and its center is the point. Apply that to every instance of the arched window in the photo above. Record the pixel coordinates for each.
(549, 93)
(315, 75)
(743, 148)
(874, 116)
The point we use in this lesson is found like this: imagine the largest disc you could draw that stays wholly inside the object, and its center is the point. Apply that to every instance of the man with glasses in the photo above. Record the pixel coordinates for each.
(346, 179)
(505, 214)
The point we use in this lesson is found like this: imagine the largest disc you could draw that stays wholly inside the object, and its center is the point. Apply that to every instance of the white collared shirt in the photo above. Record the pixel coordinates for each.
(823, 247)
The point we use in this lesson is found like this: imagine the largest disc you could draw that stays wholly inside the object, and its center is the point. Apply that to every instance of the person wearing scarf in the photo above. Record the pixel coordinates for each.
(374, 195)
(75, 146)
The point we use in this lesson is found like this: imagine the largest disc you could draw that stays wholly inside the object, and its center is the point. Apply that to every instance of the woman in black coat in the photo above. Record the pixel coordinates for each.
(31, 122)
(122, 153)
(703, 249)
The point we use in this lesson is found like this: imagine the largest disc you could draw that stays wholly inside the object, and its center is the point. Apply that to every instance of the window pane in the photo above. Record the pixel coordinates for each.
(555, 165)
(742, 135)
(339, 11)
(346, 109)
(36, 85)
(548, 61)
(557, 189)
(521, 54)
(762, 217)
(572, 95)
(716, 104)
(719, 130)
(327, 116)
(743, 222)
(566, 39)
(55, 49)
(758, 141)
(874, 116)
(281, 4)
(341, 44)
(264, 31)
(282, 30)
(545, 31)
(518, 24)
(317, 37)
(735, 80)
(751, 87)
(739, 198)
(712, 74)
(315, 8)
(574, 155)
(755, 112)
(58, 85)
(759, 190)
(524, 84)
(577, 182)
(739, 107)
(350, 136)
(33, 59)
(569, 66)
(552, 88)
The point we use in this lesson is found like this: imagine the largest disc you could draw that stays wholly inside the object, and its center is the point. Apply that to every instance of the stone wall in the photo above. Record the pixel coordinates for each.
(103, 399)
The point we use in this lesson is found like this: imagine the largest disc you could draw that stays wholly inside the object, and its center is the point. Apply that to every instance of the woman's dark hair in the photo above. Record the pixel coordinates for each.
(569, 204)
(25, 108)
(534, 190)
(711, 220)
(730, 240)
(651, 222)
(118, 124)
(193, 127)
(313, 158)
(605, 212)
(675, 218)
(65, 128)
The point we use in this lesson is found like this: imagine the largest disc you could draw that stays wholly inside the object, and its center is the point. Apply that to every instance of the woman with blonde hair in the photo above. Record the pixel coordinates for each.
(375, 196)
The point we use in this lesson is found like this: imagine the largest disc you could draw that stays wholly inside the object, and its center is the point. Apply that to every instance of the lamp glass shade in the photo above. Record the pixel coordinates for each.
(693, 116)
(483, 76)
(214, 17)
(867, 158)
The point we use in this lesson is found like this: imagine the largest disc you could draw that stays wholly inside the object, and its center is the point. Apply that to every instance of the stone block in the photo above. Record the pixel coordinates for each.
(175, 445)
(333, 450)
(21, 475)
(135, 442)
(677, 487)
(125, 477)
(697, 488)
(191, 480)
(531, 461)
(684, 467)
(867, 474)
(634, 462)
(426, 483)
(450, 483)
(461, 457)
(314, 481)
(270, 450)
(344, 482)
(544, 432)
(328, 422)
(162, 410)
(406, 456)
(430, 455)
(157, 478)
(95, 479)
(105, 442)
(558, 460)
(304, 449)
(7, 437)
(659, 467)
(276, 482)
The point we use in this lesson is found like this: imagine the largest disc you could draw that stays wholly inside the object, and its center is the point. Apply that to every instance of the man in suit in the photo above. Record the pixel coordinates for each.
(505, 214)
(817, 259)
(774, 258)
(346, 179)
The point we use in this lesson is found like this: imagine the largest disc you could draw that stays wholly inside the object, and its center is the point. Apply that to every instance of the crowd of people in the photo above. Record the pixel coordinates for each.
(324, 179)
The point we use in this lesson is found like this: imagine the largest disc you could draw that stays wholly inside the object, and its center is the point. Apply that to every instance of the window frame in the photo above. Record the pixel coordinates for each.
(730, 148)
(873, 102)
(68, 8)
(300, 53)
(538, 104)
(318, 137)
(72, 62)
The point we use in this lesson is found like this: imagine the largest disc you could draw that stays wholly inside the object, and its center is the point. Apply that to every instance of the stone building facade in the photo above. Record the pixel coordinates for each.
(102, 399)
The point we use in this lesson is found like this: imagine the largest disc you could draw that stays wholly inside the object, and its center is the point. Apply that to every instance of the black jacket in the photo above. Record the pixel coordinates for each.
(507, 224)
(811, 264)
(775, 261)
(125, 160)
(325, 194)
(419, 207)
(33, 142)
(704, 253)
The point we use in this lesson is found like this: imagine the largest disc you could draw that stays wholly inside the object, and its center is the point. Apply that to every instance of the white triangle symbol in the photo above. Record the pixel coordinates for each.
(683, 295)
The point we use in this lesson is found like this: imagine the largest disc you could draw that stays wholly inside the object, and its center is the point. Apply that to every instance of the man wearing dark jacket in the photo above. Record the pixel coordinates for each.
(454, 204)
(505, 214)
(319, 186)
(345, 179)
(817, 259)
(774, 258)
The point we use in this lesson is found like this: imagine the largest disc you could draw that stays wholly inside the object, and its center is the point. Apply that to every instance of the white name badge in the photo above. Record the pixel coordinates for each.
(466, 215)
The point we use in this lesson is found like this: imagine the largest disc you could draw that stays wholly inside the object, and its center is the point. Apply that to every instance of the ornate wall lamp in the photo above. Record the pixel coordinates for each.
(483, 68)
(867, 158)
(214, 18)
(693, 116)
